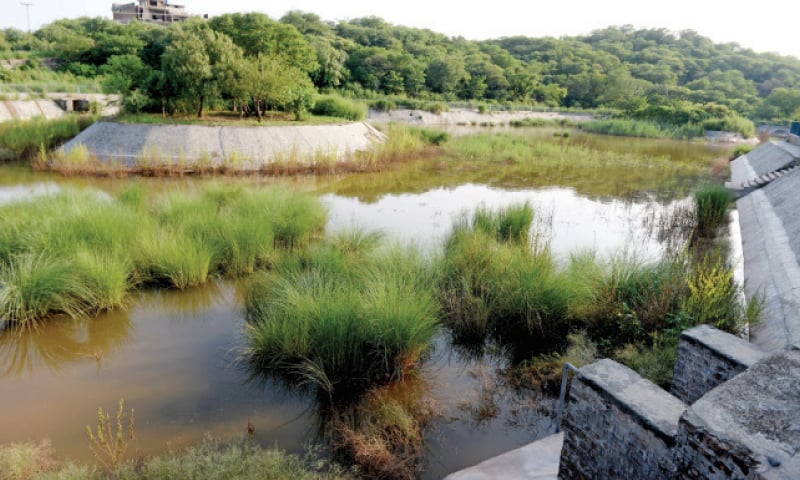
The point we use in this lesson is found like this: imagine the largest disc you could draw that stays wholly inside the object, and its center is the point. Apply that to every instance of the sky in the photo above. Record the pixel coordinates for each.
(768, 29)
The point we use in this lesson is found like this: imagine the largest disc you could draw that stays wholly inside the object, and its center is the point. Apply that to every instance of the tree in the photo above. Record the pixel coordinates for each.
(270, 81)
(257, 34)
(200, 64)
(445, 73)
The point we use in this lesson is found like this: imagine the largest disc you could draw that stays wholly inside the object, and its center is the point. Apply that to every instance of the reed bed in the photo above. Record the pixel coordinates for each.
(79, 253)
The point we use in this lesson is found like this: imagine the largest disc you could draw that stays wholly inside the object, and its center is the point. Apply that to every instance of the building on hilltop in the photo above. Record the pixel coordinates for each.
(160, 12)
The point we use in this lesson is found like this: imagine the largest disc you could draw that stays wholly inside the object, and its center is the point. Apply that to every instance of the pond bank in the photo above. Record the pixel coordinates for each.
(241, 147)
(459, 116)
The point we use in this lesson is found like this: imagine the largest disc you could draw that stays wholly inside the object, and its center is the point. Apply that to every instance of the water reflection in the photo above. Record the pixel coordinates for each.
(62, 341)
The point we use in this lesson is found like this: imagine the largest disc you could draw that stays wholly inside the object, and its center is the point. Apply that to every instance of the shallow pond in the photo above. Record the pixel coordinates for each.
(172, 355)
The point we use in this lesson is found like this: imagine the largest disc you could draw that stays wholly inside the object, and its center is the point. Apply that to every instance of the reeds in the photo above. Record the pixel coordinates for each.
(337, 106)
(712, 202)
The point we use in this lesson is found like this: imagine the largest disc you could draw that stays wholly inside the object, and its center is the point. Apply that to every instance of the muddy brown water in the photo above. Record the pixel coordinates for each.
(172, 355)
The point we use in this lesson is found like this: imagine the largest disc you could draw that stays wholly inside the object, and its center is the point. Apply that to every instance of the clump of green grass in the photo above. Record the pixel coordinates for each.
(713, 202)
(342, 332)
(24, 138)
(494, 284)
(34, 286)
(337, 106)
(82, 253)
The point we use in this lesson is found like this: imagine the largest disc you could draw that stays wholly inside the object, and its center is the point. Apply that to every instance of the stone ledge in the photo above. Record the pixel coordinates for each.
(724, 345)
(643, 400)
(757, 411)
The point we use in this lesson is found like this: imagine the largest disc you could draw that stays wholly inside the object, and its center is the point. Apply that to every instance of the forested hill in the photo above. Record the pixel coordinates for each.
(652, 74)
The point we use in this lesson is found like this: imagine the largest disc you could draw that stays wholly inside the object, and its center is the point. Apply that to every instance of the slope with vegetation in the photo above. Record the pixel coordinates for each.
(249, 63)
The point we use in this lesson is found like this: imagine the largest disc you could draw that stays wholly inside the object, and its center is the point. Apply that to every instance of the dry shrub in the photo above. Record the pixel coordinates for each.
(383, 434)
(23, 461)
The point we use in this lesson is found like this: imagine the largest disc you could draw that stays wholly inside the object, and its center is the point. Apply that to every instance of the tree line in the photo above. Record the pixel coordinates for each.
(251, 63)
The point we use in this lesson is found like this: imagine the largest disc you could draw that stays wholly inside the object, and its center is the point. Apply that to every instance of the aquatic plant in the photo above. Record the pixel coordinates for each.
(342, 333)
(80, 253)
(24, 138)
(713, 202)
(109, 444)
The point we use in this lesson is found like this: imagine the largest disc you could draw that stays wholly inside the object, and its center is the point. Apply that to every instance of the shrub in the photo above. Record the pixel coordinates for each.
(336, 106)
(383, 105)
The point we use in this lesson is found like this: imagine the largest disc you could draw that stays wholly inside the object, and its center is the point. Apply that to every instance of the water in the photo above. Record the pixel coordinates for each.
(172, 355)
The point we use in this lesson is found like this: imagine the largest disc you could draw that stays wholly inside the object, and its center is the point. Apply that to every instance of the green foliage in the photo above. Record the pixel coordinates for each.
(336, 106)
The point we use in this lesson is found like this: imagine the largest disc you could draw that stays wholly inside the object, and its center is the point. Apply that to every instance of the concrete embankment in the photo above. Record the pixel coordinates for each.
(25, 109)
(458, 116)
(239, 146)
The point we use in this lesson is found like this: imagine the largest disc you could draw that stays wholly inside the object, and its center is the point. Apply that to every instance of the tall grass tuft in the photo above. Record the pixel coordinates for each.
(712, 203)
(337, 106)
(495, 285)
(342, 333)
(34, 286)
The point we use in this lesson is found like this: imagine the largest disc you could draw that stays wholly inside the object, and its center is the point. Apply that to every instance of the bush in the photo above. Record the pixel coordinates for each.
(336, 106)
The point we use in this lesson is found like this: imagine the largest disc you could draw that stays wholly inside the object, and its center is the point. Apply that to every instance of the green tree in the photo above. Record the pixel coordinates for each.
(200, 64)
(257, 34)
(269, 81)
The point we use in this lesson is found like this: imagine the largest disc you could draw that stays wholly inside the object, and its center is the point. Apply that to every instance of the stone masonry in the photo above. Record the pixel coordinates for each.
(749, 427)
(618, 425)
(707, 358)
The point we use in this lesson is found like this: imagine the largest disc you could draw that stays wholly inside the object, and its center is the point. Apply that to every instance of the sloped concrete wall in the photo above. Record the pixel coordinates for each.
(251, 146)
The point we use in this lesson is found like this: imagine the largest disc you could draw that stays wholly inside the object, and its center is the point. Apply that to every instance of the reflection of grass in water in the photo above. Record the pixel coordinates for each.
(61, 342)
(594, 166)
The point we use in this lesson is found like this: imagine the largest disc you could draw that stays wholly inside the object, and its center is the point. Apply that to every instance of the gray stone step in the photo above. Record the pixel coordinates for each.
(537, 460)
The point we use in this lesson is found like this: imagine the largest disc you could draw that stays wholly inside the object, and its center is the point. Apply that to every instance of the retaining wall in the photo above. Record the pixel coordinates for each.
(708, 357)
(618, 425)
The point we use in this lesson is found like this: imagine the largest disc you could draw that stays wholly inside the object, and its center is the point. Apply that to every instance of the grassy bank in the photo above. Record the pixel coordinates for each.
(26, 138)
(79, 253)
(239, 459)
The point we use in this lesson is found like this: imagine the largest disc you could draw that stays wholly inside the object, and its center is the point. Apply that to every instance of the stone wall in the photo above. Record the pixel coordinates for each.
(618, 425)
(749, 427)
(706, 358)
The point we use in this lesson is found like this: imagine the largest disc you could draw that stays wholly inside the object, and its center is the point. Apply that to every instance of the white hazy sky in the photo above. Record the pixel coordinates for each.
(768, 27)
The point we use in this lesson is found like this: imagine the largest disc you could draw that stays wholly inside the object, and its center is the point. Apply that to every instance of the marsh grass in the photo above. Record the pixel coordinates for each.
(343, 318)
(383, 433)
(81, 253)
(338, 106)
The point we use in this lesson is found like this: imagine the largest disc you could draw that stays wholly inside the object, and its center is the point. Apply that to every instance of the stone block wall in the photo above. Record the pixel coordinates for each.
(748, 427)
(708, 357)
(618, 425)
